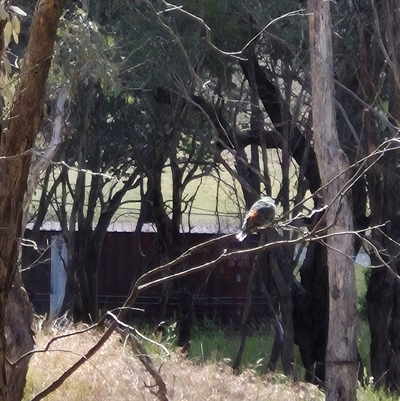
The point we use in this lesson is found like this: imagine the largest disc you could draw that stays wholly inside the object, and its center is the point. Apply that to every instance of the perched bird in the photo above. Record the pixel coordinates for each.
(260, 216)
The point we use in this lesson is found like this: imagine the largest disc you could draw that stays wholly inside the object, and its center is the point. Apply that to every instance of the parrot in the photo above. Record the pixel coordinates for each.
(261, 215)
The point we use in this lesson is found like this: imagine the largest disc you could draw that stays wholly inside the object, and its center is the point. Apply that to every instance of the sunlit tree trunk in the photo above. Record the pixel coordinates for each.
(16, 141)
(341, 374)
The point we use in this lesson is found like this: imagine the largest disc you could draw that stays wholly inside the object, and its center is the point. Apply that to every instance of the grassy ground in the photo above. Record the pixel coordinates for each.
(115, 373)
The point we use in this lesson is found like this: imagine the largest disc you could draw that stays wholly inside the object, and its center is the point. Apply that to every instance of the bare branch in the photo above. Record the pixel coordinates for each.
(237, 54)
(137, 332)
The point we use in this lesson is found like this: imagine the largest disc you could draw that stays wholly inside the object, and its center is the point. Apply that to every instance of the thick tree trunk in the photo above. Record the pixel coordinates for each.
(16, 142)
(25, 118)
(19, 339)
(341, 367)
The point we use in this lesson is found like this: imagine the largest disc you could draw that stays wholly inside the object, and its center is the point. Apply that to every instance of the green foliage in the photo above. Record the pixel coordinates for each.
(82, 49)
(12, 28)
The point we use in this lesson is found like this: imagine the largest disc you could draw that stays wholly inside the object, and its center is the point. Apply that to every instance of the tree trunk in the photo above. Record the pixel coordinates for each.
(379, 303)
(16, 142)
(310, 313)
(391, 13)
(19, 339)
(87, 276)
(283, 284)
(394, 361)
(341, 367)
(246, 312)
(381, 286)
(185, 320)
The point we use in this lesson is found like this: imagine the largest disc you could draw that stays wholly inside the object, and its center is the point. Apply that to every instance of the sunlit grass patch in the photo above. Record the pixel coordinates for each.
(115, 373)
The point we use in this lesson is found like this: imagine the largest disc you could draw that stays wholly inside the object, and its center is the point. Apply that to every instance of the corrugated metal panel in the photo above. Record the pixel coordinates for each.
(129, 227)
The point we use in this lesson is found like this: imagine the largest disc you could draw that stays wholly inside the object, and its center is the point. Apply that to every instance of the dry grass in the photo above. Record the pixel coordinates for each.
(115, 374)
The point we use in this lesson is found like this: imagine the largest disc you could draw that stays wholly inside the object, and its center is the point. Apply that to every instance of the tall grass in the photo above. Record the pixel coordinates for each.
(213, 343)
(115, 373)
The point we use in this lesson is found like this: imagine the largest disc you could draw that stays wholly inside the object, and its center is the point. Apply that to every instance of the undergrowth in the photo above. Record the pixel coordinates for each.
(203, 374)
(116, 373)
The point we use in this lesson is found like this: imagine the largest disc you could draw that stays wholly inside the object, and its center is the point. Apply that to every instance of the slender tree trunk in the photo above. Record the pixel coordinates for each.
(87, 276)
(341, 367)
(310, 309)
(246, 312)
(285, 301)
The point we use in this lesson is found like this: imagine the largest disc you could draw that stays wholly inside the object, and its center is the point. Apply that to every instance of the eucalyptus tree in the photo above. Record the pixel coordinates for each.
(80, 185)
(367, 89)
(379, 87)
(122, 131)
(21, 121)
